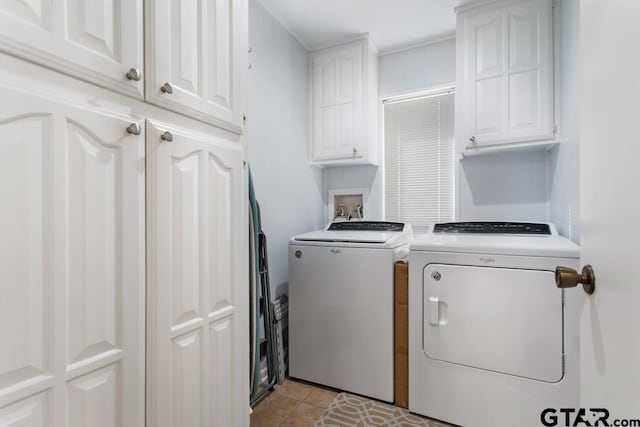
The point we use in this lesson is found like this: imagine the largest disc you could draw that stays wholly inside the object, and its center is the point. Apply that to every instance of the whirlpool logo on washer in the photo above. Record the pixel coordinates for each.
(487, 259)
(336, 251)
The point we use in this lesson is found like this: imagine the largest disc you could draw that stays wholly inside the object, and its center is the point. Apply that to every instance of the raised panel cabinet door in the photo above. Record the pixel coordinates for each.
(509, 73)
(197, 306)
(96, 40)
(485, 71)
(529, 79)
(350, 108)
(72, 265)
(337, 103)
(195, 51)
(325, 106)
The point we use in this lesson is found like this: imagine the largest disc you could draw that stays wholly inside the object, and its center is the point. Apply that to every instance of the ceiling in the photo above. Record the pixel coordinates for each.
(391, 24)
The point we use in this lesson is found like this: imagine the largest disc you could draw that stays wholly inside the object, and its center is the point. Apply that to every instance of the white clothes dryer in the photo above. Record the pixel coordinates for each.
(492, 340)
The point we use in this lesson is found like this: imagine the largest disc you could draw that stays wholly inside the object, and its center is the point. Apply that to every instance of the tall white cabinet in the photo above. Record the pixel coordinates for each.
(505, 73)
(195, 190)
(72, 264)
(123, 230)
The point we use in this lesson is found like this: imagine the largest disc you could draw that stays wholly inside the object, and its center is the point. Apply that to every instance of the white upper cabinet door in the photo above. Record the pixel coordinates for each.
(72, 265)
(508, 73)
(96, 40)
(344, 92)
(195, 51)
(337, 102)
(197, 304)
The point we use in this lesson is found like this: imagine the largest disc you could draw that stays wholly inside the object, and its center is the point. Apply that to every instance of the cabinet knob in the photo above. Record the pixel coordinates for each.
(167, 88)
(133, 129)
(166, 136)
(355, 150)
(472, 139)
(134, 74)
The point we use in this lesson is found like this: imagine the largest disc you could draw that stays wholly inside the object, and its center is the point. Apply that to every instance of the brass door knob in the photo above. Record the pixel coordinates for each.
(569, 278)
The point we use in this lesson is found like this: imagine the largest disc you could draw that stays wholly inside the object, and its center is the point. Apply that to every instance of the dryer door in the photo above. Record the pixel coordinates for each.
(498, 319)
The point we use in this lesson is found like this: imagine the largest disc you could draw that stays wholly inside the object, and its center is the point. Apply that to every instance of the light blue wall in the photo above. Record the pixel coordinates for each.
(563, 160)
(416, 69)
(526, 186)
(288, 189)
(407, 71)
(534, 186)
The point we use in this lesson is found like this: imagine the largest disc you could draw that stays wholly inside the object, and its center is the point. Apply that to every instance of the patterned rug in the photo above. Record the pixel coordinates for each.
(348, 410)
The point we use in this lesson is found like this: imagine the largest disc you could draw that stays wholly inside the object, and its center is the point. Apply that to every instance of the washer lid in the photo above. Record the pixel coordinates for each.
(548, 245)
(372, 233)
(346, 236)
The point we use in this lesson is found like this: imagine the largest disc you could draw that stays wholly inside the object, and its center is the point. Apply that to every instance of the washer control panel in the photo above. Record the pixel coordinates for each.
(366, 226)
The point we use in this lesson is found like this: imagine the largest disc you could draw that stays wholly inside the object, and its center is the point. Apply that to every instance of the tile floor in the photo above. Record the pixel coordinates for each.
(292, 404)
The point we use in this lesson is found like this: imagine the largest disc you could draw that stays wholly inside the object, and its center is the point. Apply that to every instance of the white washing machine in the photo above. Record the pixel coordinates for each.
(492, 340)
(341, 293)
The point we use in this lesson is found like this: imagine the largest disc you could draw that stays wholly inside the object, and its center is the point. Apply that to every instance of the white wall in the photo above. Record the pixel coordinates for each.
(563, 160)
(288, 189)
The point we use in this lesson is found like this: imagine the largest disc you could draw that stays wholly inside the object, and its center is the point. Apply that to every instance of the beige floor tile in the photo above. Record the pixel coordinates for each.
(320, 397)
(272, 410)
(304, 415)
(293, 389)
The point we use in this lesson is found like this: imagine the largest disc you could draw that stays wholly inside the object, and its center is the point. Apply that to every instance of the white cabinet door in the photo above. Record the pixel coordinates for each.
(194, 56)
(71, 266)
(337, 103)
(198, 291)
(95, 40)
(509, 74)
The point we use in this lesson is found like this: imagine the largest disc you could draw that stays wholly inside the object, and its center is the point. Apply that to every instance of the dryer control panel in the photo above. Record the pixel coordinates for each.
(491, 227)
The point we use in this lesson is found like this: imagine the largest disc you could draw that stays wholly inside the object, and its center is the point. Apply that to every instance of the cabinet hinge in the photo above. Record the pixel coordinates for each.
(555, 128)
(554, 3)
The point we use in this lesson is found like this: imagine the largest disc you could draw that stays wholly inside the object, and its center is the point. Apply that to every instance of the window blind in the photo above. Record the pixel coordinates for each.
(419, 160)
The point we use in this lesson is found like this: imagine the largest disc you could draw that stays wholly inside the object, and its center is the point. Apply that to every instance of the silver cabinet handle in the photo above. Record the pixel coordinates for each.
(133, 129)
(166, 136)
(167, 88)
(472, 139)
(134, 74)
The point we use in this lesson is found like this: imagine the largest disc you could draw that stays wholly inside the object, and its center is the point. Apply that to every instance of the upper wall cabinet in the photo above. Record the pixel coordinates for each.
(96, 40)
(344, 105)
(505, 73)
(194, 58)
